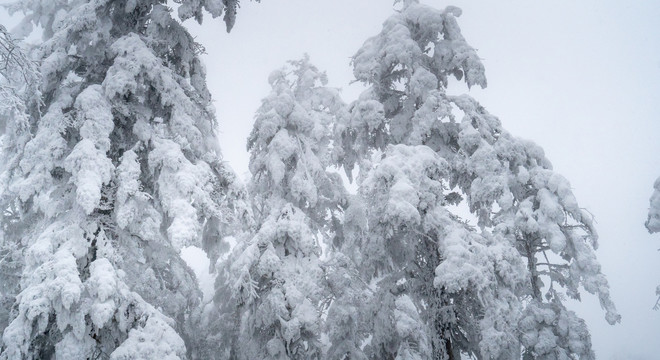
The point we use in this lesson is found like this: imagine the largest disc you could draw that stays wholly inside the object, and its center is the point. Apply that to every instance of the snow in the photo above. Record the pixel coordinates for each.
(72, 347)
(123, 171)
(96, 115)
(653, 221)
(156, 340)
(123, 143)
(90, 170)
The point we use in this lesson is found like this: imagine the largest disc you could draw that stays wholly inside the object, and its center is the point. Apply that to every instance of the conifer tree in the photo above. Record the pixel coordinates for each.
(107, 178)
(273, 289)
(445, 288)
(19, 95)
(526, 213)
(110, 164)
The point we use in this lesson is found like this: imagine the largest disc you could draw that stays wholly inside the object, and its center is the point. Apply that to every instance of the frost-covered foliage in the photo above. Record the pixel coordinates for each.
(106, 179)
(19, 102)
(440, 287)
(109, 165)
(439, 150)
(290, 143)
(450, 289)
(272, 290)
(510, 186)
(19, 93)
(653, 221)
(276, 285)
(194, 9)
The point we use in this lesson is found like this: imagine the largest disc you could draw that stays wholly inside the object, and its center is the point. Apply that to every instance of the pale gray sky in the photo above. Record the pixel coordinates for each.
(580, 78)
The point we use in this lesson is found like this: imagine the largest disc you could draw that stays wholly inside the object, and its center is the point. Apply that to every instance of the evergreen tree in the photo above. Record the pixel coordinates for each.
(109, 165)
(107, 178)
(522, 206)
(272, 290)
(441, 287)
(511, 187)
(18, 96)
(445, 288)
(653, 224)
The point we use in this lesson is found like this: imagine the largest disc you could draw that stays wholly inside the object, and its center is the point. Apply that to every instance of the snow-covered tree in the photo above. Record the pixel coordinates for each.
(195, 9)
(107, 178)
(272, 290)
(653, 223)
(439, 287)
(110, 164)
(511, 187)
(18, 97)
(442, 288)
(526, 212)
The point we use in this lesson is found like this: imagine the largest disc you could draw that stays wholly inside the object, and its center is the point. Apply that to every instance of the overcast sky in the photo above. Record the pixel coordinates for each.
(580, 78)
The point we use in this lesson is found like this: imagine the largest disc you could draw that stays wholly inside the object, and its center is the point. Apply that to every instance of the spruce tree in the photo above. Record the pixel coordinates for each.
(19, 96)
(272, 290)
(107, 178)
(443, 288)
(526, 213)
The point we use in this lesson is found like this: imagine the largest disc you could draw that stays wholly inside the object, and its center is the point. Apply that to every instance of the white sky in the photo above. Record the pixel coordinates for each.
(580, 78)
